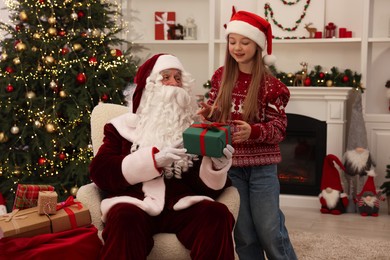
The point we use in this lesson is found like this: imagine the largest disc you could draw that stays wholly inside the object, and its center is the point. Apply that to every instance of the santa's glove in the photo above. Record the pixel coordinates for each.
(167, 156)
(219, 163)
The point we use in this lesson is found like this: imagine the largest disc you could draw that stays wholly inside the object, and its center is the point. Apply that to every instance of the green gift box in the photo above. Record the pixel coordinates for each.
(206, 139)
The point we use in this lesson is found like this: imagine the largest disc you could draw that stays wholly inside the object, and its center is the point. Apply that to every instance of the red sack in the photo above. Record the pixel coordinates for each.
(76, 244)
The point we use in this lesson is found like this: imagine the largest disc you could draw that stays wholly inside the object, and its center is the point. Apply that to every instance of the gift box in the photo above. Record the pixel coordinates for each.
(24, 223)
(206, 139)
(163, 22)
(70, 215)
(47, 202)
(27, 195)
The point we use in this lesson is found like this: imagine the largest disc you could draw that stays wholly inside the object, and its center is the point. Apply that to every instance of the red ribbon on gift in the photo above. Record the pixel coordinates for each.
(69, 202)
(207, 127)
(65, 204)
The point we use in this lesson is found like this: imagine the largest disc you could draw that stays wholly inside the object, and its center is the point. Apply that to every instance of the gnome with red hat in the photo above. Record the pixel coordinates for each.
(332, 197)
(3, 209)
(367, 200)
(152, 184)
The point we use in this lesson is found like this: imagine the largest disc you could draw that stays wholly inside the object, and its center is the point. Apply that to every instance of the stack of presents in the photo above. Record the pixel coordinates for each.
(36, 211)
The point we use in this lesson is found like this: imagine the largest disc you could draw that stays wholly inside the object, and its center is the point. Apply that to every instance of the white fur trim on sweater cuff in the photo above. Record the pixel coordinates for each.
(214, 179)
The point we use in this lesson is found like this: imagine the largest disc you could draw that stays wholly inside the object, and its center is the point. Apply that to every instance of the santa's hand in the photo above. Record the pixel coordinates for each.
(167, 156)
(219, 163)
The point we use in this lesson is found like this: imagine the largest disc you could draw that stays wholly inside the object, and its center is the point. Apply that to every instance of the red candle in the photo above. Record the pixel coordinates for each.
(318, 35)
(348, 34)
(342, 32)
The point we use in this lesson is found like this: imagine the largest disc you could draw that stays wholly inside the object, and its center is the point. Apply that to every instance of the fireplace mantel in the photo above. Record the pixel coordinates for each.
(327, 104)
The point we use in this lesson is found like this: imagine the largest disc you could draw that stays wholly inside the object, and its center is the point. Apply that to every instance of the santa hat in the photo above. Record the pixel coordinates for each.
(369, 185)
(357, 135)
(3, 209)
(255, 28)
(154, 65)
(330, 174)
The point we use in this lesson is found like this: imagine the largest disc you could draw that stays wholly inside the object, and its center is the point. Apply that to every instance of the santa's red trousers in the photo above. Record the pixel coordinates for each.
(204, 228)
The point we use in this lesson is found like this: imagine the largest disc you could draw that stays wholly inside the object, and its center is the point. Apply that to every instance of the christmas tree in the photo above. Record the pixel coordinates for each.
(59, 59)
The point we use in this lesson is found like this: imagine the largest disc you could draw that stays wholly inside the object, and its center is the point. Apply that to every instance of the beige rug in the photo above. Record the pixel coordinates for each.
(311, 246)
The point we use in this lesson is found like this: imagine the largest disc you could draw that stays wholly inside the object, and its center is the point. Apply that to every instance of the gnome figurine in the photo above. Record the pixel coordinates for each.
(332, 197)
(357, 158)
(368, 199)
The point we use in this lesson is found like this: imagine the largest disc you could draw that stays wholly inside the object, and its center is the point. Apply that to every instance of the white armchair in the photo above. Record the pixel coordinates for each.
(166, 246)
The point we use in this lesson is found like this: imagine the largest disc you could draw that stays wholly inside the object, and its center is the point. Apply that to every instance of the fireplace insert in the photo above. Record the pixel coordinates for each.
(303, 152)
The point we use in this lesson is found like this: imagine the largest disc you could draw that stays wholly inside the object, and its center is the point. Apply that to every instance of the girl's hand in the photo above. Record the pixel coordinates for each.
(242, 131)
(205, 110)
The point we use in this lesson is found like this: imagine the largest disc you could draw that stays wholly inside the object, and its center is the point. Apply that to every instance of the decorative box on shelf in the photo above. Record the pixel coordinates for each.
(164, 22)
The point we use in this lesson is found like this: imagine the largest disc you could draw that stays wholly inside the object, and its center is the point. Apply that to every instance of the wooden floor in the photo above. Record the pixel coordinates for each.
(350, 224)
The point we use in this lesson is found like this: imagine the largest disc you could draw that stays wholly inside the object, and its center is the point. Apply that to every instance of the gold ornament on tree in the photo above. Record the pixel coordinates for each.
(329, 83)
(16, 61)
(23, 16)
(52, 31)
(21, 46)
(15, 130)
(30, 94)
(3, 137)
(74, 190)
(4, 56)
(51, 20)
(50, 128)
(77, 47)
(63, 94)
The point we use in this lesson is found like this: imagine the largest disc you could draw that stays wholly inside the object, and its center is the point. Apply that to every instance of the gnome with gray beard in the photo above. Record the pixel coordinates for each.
(357, 159)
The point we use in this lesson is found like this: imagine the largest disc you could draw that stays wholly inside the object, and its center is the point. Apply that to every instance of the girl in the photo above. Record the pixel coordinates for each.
(246, 96)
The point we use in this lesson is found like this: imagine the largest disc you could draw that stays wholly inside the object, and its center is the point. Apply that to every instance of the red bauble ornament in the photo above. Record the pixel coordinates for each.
(9, 88)
(116, 52)
(18, 27)
(322, 75)
(41, 161)
(83, 34)
(64, 51)
(307, 82)
(345, 79)
(92, 61)
(62, 33)
(80, 14)
(81, 78)
(62, 156)
(9, 70)
(104, 97)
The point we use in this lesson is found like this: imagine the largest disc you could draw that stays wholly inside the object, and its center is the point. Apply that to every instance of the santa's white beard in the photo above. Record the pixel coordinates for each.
(370, 200)
(356, 161)
(331, 197)
(165, 113)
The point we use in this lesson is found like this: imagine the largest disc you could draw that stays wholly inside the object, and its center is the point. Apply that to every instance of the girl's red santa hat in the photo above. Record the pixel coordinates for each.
(369, 186)
(255, 28)
(154, 65)
(330, 174)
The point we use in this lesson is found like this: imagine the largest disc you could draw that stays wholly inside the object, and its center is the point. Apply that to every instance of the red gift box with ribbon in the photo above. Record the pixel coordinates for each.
(27, 195)
(207, 139)
(70, 215)
(163, 21)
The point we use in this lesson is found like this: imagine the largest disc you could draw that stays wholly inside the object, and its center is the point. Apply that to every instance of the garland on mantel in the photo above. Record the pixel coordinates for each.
(320, 78)
(316, 78)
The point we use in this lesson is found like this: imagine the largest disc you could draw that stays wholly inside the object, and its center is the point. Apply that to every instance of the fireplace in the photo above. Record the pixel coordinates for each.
(302, 151)
(320, 115)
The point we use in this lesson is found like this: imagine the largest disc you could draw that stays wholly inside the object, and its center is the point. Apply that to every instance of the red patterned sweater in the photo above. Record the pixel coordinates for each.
(262, 148)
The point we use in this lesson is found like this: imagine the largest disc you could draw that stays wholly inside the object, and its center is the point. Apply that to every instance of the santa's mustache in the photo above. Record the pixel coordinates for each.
(176, 94)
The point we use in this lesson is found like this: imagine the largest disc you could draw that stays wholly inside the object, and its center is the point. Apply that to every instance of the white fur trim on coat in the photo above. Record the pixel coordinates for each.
(139, 166)
(188, 201)
(152, 204)
(214, 179)
(125, 125)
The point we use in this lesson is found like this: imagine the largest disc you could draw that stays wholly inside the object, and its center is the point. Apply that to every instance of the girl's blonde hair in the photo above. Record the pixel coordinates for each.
(223, 101)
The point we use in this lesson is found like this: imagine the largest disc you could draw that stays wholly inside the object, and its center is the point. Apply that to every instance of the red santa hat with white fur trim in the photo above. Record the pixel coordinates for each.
(369, 186)
(255, 28)
(330, 174)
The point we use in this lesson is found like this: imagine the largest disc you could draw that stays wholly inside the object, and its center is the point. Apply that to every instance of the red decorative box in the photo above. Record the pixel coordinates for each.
(27, 195)
(163, 21)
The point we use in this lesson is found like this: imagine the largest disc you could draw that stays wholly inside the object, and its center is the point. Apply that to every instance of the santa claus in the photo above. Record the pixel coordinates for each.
(152, 185)
(368, 199)
(332, 198)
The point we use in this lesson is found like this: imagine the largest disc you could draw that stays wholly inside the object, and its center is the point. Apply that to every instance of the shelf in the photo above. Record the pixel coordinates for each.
(308, 40)
(380, 39)
(172, 42)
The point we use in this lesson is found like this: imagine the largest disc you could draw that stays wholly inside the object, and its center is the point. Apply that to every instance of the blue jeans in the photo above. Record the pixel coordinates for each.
(260, 225)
